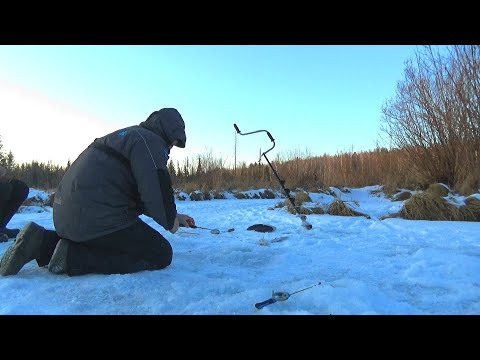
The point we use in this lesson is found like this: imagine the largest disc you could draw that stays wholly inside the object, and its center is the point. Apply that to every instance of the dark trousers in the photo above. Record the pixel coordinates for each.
(12, 194)
(136, 248)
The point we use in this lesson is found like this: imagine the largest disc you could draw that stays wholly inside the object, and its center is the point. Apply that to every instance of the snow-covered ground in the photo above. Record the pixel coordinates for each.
(364, 266)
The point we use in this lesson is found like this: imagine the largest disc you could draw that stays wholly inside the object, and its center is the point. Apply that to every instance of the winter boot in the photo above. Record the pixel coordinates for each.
(25, 248)
(58, 263)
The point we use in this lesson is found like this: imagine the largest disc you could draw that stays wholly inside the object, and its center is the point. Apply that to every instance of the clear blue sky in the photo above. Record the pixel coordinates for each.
(316, 99)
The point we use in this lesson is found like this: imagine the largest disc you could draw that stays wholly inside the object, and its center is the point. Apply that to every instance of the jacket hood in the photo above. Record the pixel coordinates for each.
(167, 123)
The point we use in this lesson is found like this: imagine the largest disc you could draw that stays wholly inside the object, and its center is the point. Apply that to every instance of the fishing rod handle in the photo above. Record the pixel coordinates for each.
(192, 226)
(264, 303)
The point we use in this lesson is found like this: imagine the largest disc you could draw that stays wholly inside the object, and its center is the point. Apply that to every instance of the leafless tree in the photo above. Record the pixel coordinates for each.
(435, 116)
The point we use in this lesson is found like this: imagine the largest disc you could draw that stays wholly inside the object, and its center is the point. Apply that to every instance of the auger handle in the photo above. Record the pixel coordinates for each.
(257, 131)
(253, 132)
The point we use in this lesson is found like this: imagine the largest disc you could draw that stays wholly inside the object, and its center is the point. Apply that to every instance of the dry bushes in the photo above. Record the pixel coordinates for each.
(434, 115)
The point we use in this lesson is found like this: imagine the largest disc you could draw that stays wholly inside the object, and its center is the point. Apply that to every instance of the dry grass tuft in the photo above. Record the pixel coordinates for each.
(301, 197)
(338, 207)
(317, 210)
(471, 209)
(472, 201)
(468, 186)
(438, 189)
(402, 196)
(301, 209)
(429, 206)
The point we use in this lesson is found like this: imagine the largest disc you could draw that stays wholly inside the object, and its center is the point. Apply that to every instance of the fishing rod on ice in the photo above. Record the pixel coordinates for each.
(213, 231)
(281, 296)
(305, 223)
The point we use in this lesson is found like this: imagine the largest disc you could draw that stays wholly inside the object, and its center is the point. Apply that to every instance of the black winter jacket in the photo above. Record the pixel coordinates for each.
(119, 177)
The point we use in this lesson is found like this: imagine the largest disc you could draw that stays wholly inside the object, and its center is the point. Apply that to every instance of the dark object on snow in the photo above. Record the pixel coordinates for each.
(261, 228)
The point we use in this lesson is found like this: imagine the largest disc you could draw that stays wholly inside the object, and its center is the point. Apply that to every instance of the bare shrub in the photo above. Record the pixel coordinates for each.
(435, 116)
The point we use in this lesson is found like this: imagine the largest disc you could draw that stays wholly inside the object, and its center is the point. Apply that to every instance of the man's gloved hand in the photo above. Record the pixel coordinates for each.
(185, 220)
